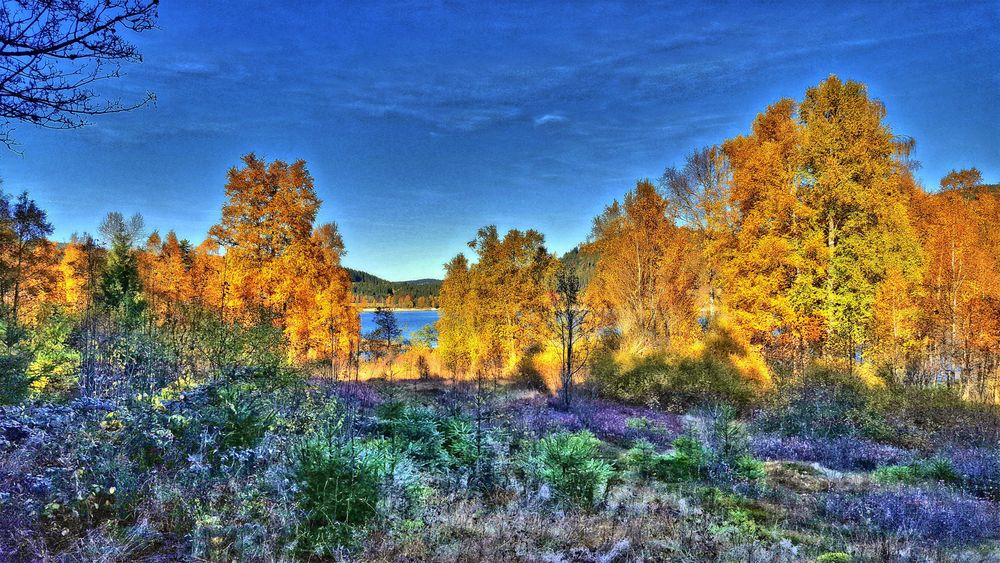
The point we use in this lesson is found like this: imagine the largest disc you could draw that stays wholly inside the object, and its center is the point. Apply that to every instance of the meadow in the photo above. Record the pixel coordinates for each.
(441, 470)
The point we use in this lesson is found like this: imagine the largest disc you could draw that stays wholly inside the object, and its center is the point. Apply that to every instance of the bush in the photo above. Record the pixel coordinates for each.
(827, 403)
(936, 469)
(568, 463)
(242, 417)
(687, 462)
(939, 416)
(834, 557)
(893, 474)
(55, 365)
(642, 459)
(459, 441)
(338, 489)
(673, 384)
(414, 430)
(729, 445)
(748, 468)
(14, 381)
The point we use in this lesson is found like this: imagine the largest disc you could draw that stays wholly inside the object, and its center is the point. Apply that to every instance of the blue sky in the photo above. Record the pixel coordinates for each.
(422, 122)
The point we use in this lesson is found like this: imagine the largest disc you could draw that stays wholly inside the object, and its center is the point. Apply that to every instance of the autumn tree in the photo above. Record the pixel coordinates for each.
(80, 266)
(965, 182)
(166, 276)
(454, 325)
(851, 182)
(494, 310)
(961, 289)
(763, 261)
(644, 283)
(207, 275)
(268, 209)
(277, 266)
(27, 254)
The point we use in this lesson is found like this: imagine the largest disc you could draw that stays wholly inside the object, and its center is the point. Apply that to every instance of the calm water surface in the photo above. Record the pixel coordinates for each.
(409, 321)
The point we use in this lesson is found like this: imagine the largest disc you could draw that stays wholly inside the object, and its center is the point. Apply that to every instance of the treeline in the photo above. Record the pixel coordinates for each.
(372, 291)
(127, 311)
(806, 241)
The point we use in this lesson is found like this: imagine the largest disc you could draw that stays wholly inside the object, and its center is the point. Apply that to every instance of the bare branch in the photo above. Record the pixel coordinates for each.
(52, 51)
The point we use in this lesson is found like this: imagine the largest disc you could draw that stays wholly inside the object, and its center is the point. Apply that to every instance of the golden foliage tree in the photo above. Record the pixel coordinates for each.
(493, 312)
(645, 279)
(851, 180)
(276, 266)
(79, 267)
(961, 298)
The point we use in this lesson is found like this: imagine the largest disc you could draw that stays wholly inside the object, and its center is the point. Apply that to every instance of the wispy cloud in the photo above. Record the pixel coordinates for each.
(550, 119)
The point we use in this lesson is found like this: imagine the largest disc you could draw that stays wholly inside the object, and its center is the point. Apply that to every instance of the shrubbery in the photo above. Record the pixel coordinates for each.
(936, 469)
(569, 463)
(724, 456)
(339, 488)
(38, 360)
(242, 417)
(826, 403)
(672, 383)
(687, 462)
(431, 438)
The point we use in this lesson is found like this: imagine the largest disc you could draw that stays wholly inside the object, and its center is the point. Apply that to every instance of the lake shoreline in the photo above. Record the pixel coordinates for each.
(409, 321)
(397, 309)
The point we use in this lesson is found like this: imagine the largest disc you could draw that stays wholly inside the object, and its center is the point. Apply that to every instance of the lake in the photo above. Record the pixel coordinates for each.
(409, 321)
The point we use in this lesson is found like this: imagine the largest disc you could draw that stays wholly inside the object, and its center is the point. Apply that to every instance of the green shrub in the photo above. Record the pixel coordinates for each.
(55, 365)
(639, 423)
(569, 464)
(669, 383)
(828, 403)
(414, 430)
(458, 441)
(145, 436)
(338, 489)
(15, 357)
(937, 469)
(688, 461)
(728, 441)
(642, 459)
(893, 474)
(14, 381)
(727, 436)
(243, 417)
(748, 468)
(834, 557)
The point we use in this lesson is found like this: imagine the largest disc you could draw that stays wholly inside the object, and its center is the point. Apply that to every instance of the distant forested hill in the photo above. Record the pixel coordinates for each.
(373, 290)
